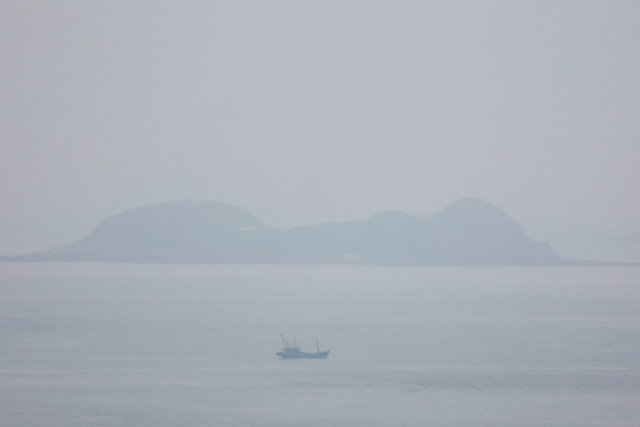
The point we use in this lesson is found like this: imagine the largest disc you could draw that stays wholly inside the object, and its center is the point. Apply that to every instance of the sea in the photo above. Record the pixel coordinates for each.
(97, 344)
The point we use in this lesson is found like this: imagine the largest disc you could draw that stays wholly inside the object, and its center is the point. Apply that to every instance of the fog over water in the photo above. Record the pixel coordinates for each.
(322, 111)
(162, 345)
(304, 113)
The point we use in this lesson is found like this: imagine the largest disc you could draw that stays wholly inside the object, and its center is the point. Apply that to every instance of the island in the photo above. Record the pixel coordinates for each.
(469, 232)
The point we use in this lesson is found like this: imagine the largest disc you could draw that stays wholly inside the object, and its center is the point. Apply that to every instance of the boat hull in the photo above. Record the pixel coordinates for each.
(301, 355)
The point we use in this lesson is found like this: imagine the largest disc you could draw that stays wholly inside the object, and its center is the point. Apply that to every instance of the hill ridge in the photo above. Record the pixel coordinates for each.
(467, 232)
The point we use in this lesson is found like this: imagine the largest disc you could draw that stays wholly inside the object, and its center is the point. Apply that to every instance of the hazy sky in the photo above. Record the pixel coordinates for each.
(305, 112)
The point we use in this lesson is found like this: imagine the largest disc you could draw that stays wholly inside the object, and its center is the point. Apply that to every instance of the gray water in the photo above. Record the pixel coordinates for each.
(194, 345)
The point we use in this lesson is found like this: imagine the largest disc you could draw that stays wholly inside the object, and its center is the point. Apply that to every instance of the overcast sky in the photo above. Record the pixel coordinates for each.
(306, 112)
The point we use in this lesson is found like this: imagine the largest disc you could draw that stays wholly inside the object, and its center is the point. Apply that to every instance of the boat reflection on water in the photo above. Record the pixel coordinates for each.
(294, 352)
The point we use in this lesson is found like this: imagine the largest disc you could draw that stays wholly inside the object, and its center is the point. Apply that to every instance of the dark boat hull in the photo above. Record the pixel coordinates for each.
(301, 355)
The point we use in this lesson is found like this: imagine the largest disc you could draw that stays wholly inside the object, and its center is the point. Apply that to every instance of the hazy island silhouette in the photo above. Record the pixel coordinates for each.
(469, 232)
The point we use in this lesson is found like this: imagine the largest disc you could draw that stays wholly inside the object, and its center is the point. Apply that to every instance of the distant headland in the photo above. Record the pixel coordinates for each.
(469, 232)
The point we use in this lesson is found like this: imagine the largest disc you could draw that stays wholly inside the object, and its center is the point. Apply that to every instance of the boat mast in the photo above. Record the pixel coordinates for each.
(285, 344)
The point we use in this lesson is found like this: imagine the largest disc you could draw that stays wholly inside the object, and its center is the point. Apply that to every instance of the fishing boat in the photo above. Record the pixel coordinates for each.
(293, 351)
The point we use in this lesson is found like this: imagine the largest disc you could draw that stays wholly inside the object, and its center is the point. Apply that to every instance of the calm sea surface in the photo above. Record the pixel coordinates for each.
(194, 345)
